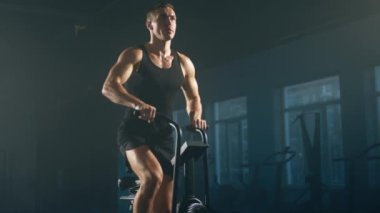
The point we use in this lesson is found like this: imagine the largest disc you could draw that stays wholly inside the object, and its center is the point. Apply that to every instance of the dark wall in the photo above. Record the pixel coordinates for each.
(350, 51)
(23, 53)
(57, 141)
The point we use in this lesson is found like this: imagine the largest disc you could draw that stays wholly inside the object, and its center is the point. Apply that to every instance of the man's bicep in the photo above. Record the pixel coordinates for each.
(190, 88)
(123, 68)
(121, 72)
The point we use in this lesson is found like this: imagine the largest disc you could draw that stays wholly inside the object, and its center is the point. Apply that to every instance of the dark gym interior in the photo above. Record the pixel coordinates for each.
(275, 77)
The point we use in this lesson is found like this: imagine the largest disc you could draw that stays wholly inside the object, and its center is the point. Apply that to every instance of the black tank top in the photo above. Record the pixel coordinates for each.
(156, 86)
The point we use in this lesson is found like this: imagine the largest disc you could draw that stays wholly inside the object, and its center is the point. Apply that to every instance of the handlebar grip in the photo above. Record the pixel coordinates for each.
(158, 115)
(191, 128)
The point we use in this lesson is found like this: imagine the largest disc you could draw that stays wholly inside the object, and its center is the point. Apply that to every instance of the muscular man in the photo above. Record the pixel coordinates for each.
(154, 74)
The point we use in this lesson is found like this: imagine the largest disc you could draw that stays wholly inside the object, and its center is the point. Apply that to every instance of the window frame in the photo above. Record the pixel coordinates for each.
(320, 106)
(226, 121)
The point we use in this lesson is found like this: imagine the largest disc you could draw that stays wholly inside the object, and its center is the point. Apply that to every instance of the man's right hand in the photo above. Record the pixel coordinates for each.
(146, 112)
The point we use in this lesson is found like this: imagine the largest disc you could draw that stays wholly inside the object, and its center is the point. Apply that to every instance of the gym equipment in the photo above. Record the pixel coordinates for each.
(351, 162)
(313, 160)
(279, 160)
(273, 160)
(184, 155)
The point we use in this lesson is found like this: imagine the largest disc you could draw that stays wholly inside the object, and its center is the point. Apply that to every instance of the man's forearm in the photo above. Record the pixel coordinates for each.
(194, 109)
(121, 96)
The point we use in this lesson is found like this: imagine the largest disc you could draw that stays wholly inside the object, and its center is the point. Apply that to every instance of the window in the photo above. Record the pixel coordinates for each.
(317, 98)
(374, 166)
(231, 143)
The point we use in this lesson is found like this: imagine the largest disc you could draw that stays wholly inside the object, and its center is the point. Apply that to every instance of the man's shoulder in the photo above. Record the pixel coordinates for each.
(184, 59)
(132, 54)
(135, 50)
(182, 55)
(186, 64)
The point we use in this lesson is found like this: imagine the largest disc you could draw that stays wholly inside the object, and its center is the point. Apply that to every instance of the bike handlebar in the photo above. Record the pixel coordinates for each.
(189, 128)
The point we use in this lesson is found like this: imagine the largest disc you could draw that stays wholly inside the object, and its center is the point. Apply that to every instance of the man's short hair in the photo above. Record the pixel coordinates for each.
(152, 11)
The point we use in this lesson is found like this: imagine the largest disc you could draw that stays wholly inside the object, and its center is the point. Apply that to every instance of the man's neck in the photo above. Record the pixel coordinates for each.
(161, 48)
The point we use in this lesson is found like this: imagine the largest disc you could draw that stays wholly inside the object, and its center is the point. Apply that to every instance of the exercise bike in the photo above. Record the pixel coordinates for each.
(351, 164)
(185, 154)
(278, 160)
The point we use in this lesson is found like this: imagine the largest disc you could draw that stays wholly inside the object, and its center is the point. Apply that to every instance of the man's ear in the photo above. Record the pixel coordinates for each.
(149, 25)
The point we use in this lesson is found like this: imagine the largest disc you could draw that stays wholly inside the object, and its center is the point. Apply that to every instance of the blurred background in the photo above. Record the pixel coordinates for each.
(296, 74)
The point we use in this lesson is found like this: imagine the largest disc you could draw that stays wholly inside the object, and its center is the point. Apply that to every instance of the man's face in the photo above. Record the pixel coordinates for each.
(164, 24)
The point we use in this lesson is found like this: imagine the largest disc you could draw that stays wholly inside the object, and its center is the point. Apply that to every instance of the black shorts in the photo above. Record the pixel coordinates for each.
(159, 136)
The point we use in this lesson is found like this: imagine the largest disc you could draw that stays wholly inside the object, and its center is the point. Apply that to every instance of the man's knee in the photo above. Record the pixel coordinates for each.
(152, 182)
